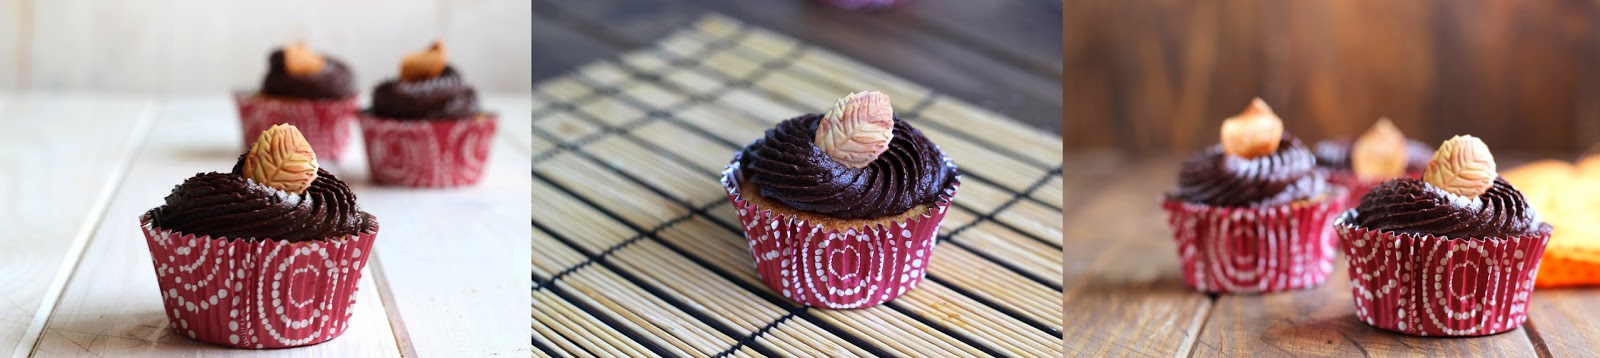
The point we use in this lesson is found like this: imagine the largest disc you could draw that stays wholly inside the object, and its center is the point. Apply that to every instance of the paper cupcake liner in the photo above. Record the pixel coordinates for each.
(325, 123)
(1255, 250)
(838, 269)
(1356, 186)
(434, 153)
(1439, 286)
(257, 294)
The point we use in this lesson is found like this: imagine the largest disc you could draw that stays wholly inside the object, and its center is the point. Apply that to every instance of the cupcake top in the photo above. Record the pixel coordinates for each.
(428, 88)
(858, 160)
(297, 72)
(1459, 196)
(1257, 164)
(1339, 154)
(275, 191)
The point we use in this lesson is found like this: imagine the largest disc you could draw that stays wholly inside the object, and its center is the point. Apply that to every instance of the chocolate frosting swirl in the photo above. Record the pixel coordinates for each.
(1335, 154)
(1216, 178)
(789, 168)
(228, 205)
(444, 97)
(1412, 206)
(335, 80)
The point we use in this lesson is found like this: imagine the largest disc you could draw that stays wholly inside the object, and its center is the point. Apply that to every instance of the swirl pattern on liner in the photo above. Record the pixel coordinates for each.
(228, 205)
(335, 80)
(1216, 178)
(1412, 206)
(444, 97)
(789, 168)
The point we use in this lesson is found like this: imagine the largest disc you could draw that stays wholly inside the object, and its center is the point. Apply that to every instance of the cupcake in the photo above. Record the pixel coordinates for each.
(264, 256)
(1252, 214)
(841, 209)
(306, 89)
(1380, 154)
(425, 128)
(1452, 254)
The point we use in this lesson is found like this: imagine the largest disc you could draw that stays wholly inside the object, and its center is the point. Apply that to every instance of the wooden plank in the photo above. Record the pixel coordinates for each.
(111, 306)
(1323, 322)
(463, 248)
(1561, 323)
(1123, 285)
(53, 191)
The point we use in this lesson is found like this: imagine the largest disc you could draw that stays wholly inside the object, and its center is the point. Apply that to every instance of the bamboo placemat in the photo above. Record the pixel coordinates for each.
(637, 251)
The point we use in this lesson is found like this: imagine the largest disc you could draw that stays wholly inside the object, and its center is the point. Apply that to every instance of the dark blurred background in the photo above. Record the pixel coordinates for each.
(1004, 55)
(1158, 77)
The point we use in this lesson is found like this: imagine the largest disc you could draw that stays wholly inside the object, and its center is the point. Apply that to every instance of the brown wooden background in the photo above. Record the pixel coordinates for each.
(1158, 77)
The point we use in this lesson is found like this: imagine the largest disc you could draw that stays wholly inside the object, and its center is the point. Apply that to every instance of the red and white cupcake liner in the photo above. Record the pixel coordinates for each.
(1256, 250)
(431, 153)
(325, 123)
(838, 268)
(257, 294)
(1356, 185)
(1439, 286)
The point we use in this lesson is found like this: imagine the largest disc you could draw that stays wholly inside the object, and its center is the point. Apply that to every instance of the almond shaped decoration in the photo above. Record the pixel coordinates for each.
(857, 129)
(1462, 166)
(281, 158)
(1252, 133)
(299, 60)
(1380, 153)
(424, 65)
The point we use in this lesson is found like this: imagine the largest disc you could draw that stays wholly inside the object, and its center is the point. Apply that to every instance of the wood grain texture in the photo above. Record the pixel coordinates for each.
(112, 307)
(53, 190)
(961, 49)
(1323, 322)
(1156, 78)
(201, 46)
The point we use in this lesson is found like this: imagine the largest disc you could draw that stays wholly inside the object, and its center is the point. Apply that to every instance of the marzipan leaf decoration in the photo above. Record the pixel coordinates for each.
(1462, 166)
(1253, 133)
(299, 60)
(857, 129)
(424, 65)
(281, 158)
(1380, 153)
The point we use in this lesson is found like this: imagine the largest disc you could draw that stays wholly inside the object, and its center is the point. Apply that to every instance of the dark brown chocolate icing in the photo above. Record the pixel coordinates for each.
(1412, 206)
(444, 97)
(228, 205)
(334, 82)
(1335, 154)
(1215, 178)
(789, 168)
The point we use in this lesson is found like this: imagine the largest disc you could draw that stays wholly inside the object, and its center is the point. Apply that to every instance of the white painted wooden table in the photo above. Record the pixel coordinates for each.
(449, 278)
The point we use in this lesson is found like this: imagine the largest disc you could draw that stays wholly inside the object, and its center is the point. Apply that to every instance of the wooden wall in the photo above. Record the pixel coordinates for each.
(1152, 77)
(165, 46)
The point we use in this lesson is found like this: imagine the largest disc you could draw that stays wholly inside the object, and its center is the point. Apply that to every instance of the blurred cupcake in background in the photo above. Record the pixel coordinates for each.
(306, 89)
(1566, 195)
(1379, 154)
(425, 128)
(1252, 214)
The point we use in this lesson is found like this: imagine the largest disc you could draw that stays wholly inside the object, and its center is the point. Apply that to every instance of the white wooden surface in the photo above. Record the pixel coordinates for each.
(450, 276)
(196, 46)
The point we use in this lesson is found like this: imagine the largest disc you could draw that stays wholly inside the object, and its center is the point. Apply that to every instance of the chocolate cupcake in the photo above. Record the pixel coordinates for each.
(1252, 214)
(1452, 254)
(267, 255)
(425, 128)
(1380, 154)
(306, 89)
(842, 208)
